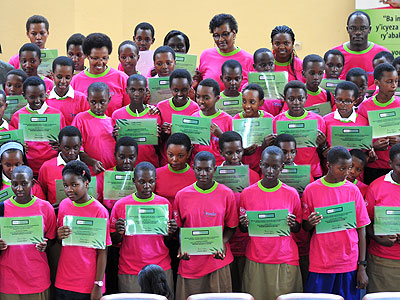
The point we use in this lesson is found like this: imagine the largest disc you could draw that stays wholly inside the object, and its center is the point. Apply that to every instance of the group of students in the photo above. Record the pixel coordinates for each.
(176, 173)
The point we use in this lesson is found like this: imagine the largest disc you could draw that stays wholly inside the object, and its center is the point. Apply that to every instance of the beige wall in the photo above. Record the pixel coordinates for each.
(318, 24)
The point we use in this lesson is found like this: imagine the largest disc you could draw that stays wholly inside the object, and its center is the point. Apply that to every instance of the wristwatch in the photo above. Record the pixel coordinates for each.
(362, 263)
(99, 283)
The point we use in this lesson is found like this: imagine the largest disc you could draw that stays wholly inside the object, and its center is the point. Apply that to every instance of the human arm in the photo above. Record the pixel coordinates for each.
(362, 278)
(244, 223)
(293, 224)
(97, 165)
(313, 219)
(116, 237)
(101, 262)
(228, 233)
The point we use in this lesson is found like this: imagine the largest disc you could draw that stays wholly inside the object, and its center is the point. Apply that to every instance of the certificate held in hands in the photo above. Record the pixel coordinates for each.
(40, 127)
(196, 128)
(297, 176)
(14, 103)
(337, 217)
(271, 223)
(387, 220)
(253, 130)
(22, 230)
(304, 131)
(144, 131)
(201, 240)
(186, 61)
(147, 219)
(230, 105)
(118, 184)
(384, 122)
(352, 137)
(234, 177)
(273, 83)
(159, 89)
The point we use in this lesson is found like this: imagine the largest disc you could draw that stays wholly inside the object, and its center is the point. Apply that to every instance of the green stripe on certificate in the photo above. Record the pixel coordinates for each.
(273, 83)
(47, 56)
(6, 194)
(384, 122)
(330, 84)
(297, 176)
(201, 240)
(270, 223)
(197, 128)
(60, 192)
(12, 135)
(253, 130)
(321, 109)
(40, 128)
(230, 105)
(337, 217)
(304, 131)
(22, 230)
(14, 103)
(159, 89)
(352, 137)
(387, 220)
(144, 131)
(234, 177)
(147, 219)
(118, 184)
(186, 61)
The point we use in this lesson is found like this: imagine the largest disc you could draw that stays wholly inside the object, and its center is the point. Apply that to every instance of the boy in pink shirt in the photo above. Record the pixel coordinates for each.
(339, 267)
(295, 94)
(97, 48)
(23, 268)
(384, 250)
(34, 91)
(136, 89)
(271, 273)
(231, 77)
(203, 204)
(63, 96)
(386, 77)
(358, 163)
(149, 249)
(334, 63)
(14, 81)
(75, 51)
(97, 128)
(206, 96)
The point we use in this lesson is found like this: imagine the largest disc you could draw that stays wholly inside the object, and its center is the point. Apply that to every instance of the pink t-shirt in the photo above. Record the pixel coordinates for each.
(212, 59)
(49, 84)
(314, 98)
(70, 107)
(77, 266)
(331, 121)
(298, 69)
(169, 182)
(334, 252)
(97, 139)
(38, 152)
(36, 189)
(382, 192)
(280, 249)
(48, 174)
(194, 207)
(224, 122)
(372, 104)
(138, 251)
(362, 187)
(23, 269)
(272, 106)
(146, 152)
(308, 155)
(115, 80)
(14, 61)
(361, 59)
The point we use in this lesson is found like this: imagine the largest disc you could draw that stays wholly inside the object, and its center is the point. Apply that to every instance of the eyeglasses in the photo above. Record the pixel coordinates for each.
(98, 59)
(225, 35)
(358, 28)
(346, 102)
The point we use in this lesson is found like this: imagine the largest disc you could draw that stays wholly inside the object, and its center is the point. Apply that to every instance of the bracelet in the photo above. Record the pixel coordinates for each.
(362, 263)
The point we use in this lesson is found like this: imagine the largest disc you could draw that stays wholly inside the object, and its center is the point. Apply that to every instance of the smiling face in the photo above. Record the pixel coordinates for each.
(62, 76)
(126, 158)
(75, 52)
(224, 38)
(145, 182)
(180, 89)
(232, 152)
(282, 45)
(164, 64)
(10, 160)
(178, 156)
(231, 78)
(98, 60)
(143, 39)
(177, 42)
(333, 66)
(128, 58)
(251, 103)
(38, 34)
(75, 188)
(313, 73)
(13, 85)
(29, 62)
(35, 95)
(21, 185)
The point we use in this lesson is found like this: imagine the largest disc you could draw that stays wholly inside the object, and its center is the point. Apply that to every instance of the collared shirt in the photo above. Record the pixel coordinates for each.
(351, 118)
(69, 94)
(4, 125)
(38, 111)
(389, 178)
(5, 179)
(61, 161)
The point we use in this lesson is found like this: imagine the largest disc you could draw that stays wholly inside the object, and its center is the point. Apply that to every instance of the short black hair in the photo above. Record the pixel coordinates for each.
(260, 50)
(17, 72)
(347, 86)
(33, 81)
(128, 43)
(180, 73)
(63, 61)
(144, 26)
(153, 279)
(385, 67)
(98, 87)
(356, 72)
(144, 166)
(69, 131)
(394, 151)
(75, 39)
(255, 87)
(359, 13)
(204, 156)
(229, 136)
(333, 52)
(23, 169)
(30, 47)
(209, 82)
(95, 41)
(174, 33)
(386, 54)
(180, 138)
(163, 49)
(336, 153)
(37, 19)
(312, 58)
(78, 168)
(284, 138)
(294, 84)
(136, 77)
(126, 141)
(222, 19)
(231, 64)
(396, 61)
(273, 150)
(360, 155)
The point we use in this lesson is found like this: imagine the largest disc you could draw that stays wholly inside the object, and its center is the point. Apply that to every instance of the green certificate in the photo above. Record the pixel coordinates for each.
(6, 194)
(384, 122)
(253, 130)
(14, 103)
(234, 177)
(268, 223)
(22, 230)
(47, 56)
(387, 220)
(118, 184)
(321, 109)
(273, 83)
(337, 217)
(196, 128)
(159, 89)
(144, 131)
(201, 240)
(186, 61)
(60, 193)
(352, 137)
(304, 131)
(12, 135)
(147, 219)
(40, 127)
(330, 84)
(230, 105)
(297, 176)
(86, 232)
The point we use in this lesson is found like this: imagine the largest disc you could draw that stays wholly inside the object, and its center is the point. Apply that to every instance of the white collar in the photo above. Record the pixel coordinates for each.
(388, 178)
(61, 161)
(69, 94)
(5, 125)
(39, 111)
(5, 179)
(351, 118)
